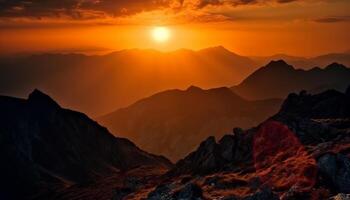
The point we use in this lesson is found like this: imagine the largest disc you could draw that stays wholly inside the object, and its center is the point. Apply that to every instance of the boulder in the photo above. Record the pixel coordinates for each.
(336, 168)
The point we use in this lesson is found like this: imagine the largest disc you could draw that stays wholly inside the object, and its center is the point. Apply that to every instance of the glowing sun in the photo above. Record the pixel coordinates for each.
(160, 34)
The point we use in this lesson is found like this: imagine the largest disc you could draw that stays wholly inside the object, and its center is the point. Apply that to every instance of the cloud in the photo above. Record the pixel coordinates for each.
(334, 19)
(87, 9)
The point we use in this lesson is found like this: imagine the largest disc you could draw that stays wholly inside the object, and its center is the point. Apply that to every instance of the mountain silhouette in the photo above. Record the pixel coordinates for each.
(179, 119)
(45, 148)
(98, 84)
(277, 79)
(307, 63)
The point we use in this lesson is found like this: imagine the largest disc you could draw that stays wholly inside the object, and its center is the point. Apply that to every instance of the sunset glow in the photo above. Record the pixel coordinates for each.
(160, 34)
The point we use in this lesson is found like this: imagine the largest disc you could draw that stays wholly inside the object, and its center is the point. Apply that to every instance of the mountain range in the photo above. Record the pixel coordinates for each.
(45, 148)
(301, 152)
(98, 84)
(180, 119)
(277, 79)
(307, 63)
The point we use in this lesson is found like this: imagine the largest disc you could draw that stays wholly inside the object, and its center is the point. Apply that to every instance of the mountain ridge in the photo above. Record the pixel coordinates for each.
(182, 118)
(277, 79)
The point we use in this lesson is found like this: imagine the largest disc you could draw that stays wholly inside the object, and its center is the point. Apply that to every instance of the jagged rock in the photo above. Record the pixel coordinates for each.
(206, 159)
(189, 192)
(341, 196)
(227, 145)
(336, 168)
(317, 106)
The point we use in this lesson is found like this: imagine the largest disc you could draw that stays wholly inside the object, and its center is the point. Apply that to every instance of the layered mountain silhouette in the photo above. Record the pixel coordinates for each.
(45, 148)
(302, 152)
(179, 119)
(277, 79)
(307, 63)
(98, 84)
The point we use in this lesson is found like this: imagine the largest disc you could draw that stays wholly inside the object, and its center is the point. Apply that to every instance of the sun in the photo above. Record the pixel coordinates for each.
(160, 34)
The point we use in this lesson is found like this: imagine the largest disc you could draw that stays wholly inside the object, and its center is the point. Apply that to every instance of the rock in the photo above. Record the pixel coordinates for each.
(265, 194)
(336, 168)
(227, 145)
(132, 183)
(189, 192)
(120, 193)
(206, 159)
(162, 192)
(341, 196)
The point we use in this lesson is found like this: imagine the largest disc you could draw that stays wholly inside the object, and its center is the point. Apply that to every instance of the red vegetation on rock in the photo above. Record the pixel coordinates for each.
(281, 161)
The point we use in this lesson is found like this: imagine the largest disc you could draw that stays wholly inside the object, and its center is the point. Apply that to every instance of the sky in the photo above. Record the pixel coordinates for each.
(247, 27)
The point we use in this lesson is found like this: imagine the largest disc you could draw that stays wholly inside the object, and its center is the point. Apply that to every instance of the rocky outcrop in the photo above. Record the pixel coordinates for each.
(44, 147)
(336, 170)
(229, 153)
(300, 153)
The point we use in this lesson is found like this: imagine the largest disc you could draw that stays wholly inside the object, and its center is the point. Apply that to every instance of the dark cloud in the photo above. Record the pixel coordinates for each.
(87, 9)
(76, 8)
(333, 19)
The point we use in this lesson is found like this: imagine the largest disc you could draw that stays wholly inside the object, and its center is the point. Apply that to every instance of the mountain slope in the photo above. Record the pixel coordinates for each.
(173, 122)
(45, 147)
(278, 79)
(99, 84)
(302, 152)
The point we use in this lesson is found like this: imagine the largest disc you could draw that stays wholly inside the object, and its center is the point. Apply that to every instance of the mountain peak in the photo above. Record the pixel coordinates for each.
(280, 64)
(219, 49)
(39, 97)
(335, 66)
(193, 88)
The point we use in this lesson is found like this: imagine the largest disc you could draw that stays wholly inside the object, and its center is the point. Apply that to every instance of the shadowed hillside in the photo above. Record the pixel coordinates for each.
(45, 148)
(173, 122)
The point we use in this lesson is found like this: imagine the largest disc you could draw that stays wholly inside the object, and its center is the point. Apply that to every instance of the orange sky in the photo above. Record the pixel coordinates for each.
(247, 27)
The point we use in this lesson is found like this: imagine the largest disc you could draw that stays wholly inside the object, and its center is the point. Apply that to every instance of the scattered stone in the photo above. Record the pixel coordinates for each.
(162, 192)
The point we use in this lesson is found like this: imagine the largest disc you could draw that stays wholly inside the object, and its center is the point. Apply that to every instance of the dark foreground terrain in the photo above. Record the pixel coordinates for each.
(302, 152)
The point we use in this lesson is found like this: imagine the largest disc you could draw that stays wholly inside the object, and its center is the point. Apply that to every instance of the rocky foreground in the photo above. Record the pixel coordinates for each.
(303, 152)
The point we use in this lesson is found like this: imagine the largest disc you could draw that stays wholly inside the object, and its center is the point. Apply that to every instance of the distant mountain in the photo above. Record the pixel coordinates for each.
(98, 84)
(45, 148)
(307, 63)
(277, 79)
(173, 122)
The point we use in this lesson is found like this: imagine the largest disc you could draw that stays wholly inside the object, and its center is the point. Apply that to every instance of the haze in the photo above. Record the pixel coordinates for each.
(254, 27)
